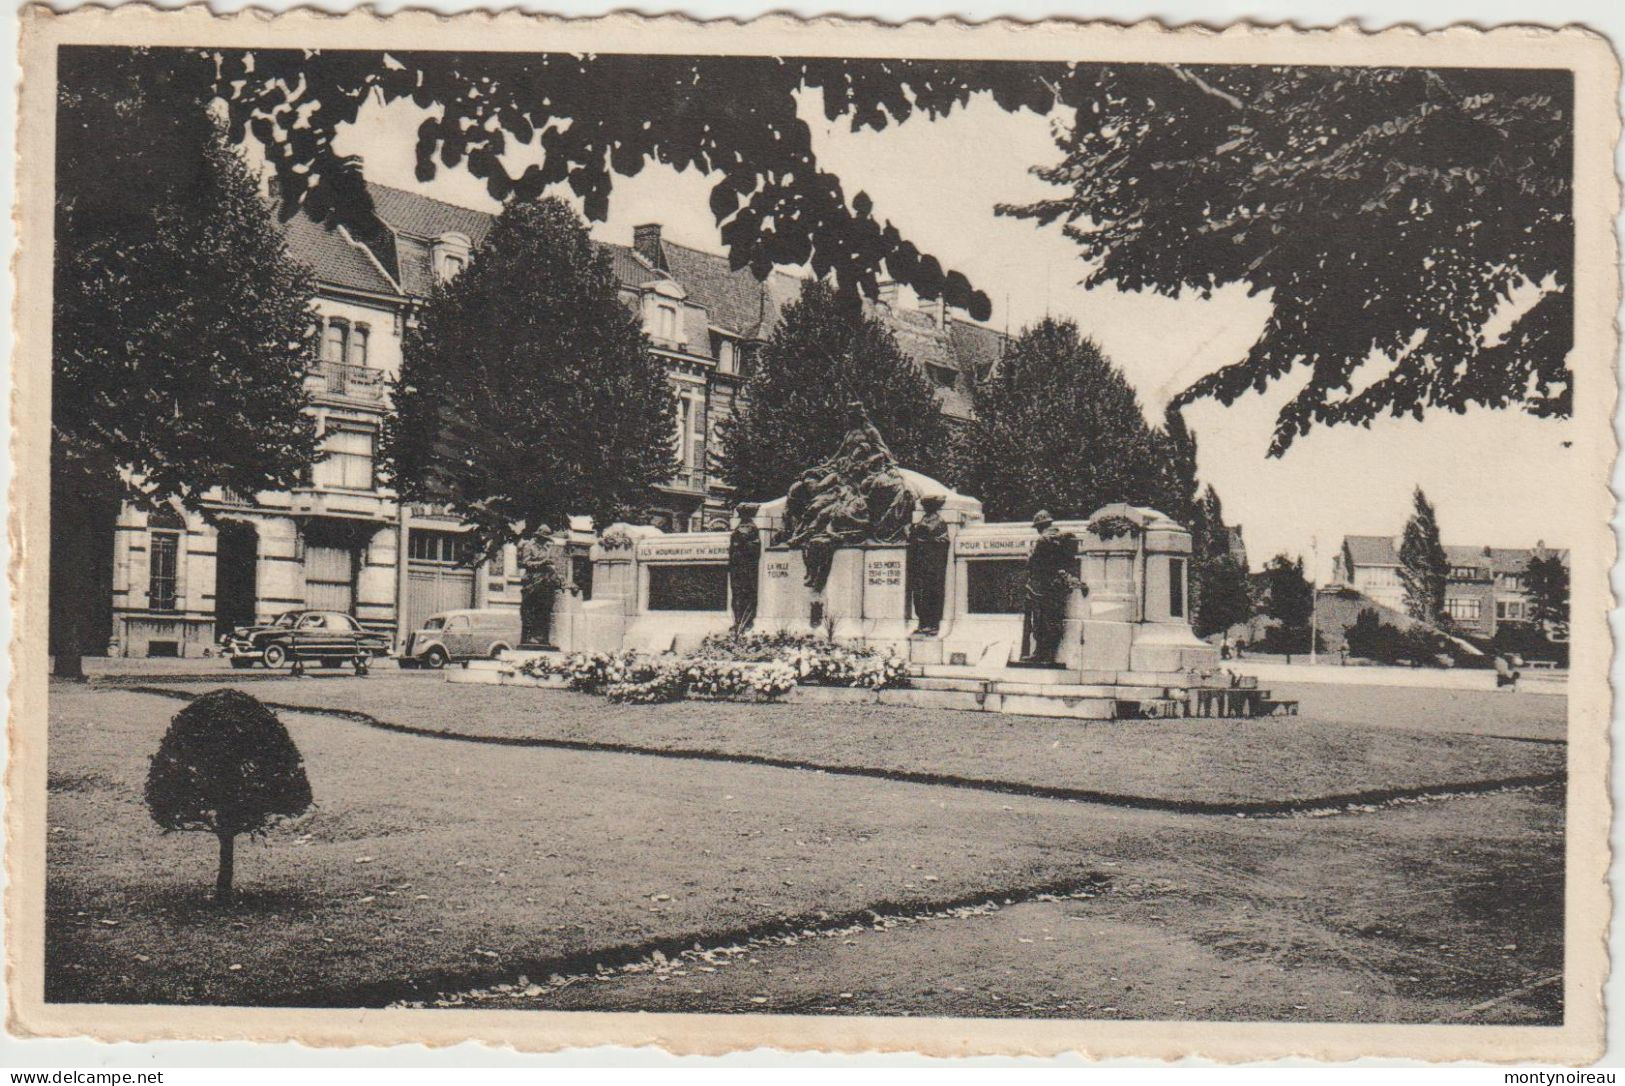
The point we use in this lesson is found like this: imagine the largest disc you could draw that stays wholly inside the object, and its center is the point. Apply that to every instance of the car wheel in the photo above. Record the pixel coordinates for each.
(240, 662)
(275, 656)
(497, 650)
(435, 658)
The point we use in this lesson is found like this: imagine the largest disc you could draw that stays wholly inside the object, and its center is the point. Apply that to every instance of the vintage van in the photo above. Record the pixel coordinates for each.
(461, 635)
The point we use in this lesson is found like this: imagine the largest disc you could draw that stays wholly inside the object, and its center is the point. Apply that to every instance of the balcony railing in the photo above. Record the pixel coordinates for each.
(351, 382)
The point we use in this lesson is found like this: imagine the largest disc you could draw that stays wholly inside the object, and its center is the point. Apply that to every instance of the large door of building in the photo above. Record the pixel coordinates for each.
(330, 578)
(436, 579)
(236, 558)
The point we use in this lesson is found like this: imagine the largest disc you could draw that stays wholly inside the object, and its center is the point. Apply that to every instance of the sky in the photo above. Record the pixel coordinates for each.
(1497, 478)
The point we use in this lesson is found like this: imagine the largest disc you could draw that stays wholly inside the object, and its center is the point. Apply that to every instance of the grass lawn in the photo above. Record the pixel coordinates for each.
(432, 865)
(1202, 760)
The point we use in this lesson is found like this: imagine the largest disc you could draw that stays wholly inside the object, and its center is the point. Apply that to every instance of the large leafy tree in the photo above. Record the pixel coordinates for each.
(180, 324)
(1289, 598)
(1057, 427)
(1547, 580)
(1424, 569)
(825, 354)
(528, 391)
(1388, 212)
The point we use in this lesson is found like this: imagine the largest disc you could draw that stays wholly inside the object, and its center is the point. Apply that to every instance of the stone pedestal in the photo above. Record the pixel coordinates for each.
(782, 597)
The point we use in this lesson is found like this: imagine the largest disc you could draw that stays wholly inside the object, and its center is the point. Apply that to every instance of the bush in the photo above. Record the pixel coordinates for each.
(226, 766)
(1527, 640)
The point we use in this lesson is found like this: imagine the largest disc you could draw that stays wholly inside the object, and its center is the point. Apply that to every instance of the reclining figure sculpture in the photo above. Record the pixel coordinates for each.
(856, 496)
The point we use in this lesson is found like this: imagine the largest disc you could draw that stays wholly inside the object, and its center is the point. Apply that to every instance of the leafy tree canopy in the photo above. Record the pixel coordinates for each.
(1547, 580)
(528, 391)
(226, 766)
(600, 115)
(1057, 427)
(824, 354)
(1388, 212)
(1289, 597)
(181, 326)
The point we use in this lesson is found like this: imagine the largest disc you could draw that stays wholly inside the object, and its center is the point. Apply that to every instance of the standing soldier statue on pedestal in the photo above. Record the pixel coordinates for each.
(539, 566)
(744, 563)
(928, 566)
(1051, 577)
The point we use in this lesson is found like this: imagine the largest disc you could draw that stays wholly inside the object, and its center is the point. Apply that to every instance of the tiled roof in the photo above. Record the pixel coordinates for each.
(977, 348)
(1371, 550)
(1497, 559)
(734, 299)
(425, 217)
(333, 258)
(1379, 550)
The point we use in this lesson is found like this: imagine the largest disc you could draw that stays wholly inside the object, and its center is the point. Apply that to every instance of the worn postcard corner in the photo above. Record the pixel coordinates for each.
(824, 535)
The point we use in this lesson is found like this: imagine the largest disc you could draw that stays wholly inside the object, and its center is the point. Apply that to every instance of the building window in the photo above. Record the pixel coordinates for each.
(450, 267)
(348, 452)
(666, 322)
(498, 565)
(1510, 609)
(163, 563)
(726, 360)
(334, 340)
(445, 548)
(1462, 608)
(1512, 582)
(1465, 573)
(690, 434)
(358, 345)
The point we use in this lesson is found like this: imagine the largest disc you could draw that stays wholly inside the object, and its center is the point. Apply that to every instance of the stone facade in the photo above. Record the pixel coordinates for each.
(340, 540)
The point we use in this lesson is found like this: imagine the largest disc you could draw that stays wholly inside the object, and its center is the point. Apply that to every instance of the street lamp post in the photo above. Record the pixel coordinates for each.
(1314, 597)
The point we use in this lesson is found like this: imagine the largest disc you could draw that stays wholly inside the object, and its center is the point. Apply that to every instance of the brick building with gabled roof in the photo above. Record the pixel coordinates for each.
(1486, 585)
(342, 542)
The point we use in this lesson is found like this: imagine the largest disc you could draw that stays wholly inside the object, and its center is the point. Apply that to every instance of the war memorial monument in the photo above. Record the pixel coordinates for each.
(1081, 618)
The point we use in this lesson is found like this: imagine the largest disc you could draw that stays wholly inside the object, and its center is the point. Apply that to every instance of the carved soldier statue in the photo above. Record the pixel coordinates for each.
(928, 566)
(539, 566)
(888, 500)
(1050, 580)
(744, 563)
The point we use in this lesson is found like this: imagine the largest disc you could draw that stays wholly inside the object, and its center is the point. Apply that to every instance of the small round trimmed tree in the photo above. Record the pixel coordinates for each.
(226, 766)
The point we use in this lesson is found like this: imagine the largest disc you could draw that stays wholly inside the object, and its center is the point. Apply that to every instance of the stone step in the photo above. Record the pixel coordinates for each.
(1120, 691)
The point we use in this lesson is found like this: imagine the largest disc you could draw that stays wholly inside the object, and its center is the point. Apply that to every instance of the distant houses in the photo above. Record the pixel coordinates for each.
(342, 542)
(1486, 586)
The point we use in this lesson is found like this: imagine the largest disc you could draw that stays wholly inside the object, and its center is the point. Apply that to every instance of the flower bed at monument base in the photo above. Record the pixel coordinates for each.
(752, 667)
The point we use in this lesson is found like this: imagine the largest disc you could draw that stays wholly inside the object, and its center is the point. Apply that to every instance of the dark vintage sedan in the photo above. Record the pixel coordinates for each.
(331, 638)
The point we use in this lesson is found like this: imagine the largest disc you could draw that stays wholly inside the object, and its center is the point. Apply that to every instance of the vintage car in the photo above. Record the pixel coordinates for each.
(332, 638)
(461, 635)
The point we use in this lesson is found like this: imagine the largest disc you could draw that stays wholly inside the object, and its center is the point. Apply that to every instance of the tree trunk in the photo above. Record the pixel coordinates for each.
(222, 882)
(84, 509)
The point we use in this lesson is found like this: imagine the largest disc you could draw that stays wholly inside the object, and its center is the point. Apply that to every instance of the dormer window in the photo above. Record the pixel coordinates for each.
(666, 322)
(727, 360)
(449, 255)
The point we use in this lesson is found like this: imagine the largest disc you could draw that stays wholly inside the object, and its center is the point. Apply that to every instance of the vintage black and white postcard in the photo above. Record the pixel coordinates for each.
(969, 539)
